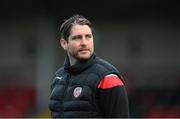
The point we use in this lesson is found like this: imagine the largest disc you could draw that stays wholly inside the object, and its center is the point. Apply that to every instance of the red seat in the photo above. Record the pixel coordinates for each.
(15, 102)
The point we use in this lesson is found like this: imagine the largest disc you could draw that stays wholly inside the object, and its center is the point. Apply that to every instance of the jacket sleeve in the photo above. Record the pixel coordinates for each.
(112, 97)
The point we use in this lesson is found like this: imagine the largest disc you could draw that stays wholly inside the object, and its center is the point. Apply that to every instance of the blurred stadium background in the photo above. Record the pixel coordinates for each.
(140, 37)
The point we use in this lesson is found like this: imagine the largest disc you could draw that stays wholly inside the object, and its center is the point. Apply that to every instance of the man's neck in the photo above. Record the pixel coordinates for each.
(72, 60)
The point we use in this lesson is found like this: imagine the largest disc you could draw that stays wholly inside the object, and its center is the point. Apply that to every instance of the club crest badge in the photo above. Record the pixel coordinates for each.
(77, 92)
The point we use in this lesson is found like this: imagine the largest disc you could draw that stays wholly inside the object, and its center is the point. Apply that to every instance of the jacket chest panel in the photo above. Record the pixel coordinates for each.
(78, 92)
(75, 87)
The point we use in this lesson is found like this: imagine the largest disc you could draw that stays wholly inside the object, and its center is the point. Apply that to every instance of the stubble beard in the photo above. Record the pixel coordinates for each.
(79, 56)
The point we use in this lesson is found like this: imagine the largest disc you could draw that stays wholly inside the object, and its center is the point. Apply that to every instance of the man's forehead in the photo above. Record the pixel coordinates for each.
(78, 29)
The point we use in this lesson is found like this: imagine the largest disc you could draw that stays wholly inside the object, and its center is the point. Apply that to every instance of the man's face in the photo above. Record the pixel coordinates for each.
(80, 42)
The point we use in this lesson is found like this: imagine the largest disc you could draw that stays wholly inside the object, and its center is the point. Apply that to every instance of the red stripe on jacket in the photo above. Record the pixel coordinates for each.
(110, 81)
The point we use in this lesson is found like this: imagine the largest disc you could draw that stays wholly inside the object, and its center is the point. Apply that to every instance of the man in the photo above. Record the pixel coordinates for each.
(86, 86)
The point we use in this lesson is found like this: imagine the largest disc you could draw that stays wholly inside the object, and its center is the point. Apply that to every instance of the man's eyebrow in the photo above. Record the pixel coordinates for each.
(76, 36)
(79, 35)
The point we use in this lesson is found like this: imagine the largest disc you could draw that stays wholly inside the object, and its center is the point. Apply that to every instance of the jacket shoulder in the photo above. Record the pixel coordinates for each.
(59, 72)
(104, 66)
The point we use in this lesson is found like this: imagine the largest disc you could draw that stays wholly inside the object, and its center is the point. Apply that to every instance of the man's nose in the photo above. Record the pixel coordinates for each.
(83, 41)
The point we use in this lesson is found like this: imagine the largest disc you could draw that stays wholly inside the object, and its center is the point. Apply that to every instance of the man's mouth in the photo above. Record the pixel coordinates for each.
(81, 50)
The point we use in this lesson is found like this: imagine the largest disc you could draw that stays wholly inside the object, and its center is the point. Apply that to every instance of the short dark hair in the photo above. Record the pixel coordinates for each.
(74, 20)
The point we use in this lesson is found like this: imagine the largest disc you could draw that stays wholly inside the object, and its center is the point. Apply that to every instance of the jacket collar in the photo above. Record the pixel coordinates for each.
(80, 66)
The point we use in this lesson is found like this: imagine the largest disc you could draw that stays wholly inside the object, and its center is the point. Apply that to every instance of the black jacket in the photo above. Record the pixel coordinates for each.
(75, 93)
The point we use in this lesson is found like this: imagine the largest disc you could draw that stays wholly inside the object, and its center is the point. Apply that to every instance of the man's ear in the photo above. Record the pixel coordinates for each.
(63, 43)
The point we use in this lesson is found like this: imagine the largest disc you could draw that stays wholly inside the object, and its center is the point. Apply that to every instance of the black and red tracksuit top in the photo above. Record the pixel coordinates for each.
(91, 88)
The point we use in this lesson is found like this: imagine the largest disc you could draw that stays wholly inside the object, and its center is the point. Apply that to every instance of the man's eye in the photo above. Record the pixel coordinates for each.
(88, 36)
(73, 38)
